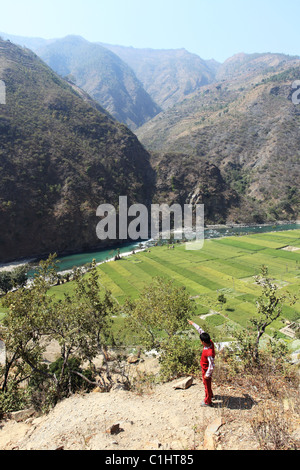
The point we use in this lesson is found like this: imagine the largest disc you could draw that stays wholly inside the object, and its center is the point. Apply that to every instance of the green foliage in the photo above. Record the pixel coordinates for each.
(238, 178)
(15, 278)
(269, 308)
(222, 300)
(159, 317)
(12, 399)
(72, 382)
(5, 282)
(80, 324)
(179, 356)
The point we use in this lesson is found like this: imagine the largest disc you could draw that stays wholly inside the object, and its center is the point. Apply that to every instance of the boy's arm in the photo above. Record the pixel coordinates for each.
(200, 331)
(211, 365)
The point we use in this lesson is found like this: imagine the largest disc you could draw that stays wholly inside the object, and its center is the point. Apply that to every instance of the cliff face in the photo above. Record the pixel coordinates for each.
(184, 179)
(60, 157)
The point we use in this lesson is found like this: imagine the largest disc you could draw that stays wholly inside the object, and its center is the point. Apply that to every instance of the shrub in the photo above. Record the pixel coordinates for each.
(160, 317)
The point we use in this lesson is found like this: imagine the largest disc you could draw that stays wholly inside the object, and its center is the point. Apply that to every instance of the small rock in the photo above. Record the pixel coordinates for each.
(114, 429)
(184, 384)
(133, 359)
(22, 415)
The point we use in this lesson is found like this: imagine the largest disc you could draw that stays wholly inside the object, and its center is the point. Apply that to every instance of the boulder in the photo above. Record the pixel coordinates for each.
(184, 383)
(22, 415)
(210, 434)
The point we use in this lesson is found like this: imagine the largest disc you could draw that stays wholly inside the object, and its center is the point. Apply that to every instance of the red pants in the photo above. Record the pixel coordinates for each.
(208, 390)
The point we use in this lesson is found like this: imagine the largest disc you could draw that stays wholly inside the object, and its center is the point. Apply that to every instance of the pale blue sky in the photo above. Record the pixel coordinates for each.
(210, 28)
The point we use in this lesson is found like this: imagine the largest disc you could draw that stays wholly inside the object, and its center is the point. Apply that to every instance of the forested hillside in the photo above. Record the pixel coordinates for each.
(60, 158)
(248, 126)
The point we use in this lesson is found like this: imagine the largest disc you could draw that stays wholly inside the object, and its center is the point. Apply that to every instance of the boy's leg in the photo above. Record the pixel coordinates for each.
(208, 390)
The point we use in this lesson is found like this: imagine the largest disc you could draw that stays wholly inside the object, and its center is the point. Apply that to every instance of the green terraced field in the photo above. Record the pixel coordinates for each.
(226, 265)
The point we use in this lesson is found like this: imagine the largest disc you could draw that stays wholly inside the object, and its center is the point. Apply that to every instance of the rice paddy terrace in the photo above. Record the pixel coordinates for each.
(224, 265)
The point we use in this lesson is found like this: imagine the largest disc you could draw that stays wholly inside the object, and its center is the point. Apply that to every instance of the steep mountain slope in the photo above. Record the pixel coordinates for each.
(60, 158)
(103, 75)
(249, 127)
(167, 75)
(183, 179)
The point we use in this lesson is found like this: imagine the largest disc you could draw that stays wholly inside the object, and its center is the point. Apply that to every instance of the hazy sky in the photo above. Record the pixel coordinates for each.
(210, 28)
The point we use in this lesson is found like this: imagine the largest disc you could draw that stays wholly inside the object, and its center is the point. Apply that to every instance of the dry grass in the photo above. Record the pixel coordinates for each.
(264, 398)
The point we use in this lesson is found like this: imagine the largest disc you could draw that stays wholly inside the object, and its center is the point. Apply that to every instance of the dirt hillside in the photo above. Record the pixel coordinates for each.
(158, 417)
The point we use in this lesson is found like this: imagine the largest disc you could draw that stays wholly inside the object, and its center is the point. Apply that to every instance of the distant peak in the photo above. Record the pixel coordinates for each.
(73, 38)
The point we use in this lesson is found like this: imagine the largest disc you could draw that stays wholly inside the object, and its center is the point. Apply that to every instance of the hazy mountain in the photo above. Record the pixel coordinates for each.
(246, 125)
(60, 157)
(167, 75)
(232, 144)
(103, 75)
(30, 43)
(241, 65)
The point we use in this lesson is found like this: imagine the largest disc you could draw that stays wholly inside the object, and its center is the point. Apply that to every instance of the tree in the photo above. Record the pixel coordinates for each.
(16, 278)
(159, 318)
(222, 300)
(25, 325)
(19, 276)
(269, 307)
(5, 282)
(79, 323)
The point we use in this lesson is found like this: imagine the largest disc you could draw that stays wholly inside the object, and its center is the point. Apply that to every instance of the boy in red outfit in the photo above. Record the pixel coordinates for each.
(207, 362)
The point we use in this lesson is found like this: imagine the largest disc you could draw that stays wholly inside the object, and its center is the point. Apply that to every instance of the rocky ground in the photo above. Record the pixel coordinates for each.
(163, 418)
(159, 417)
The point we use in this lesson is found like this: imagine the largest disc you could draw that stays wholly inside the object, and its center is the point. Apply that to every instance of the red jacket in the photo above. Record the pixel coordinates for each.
(207, 358)
(207, 361)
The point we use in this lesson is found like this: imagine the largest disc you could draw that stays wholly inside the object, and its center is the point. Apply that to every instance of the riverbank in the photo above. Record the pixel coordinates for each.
(15, 264)
(68, 262)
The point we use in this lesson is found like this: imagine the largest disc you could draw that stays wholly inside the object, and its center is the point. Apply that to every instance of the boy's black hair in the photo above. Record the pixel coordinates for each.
(205, 338)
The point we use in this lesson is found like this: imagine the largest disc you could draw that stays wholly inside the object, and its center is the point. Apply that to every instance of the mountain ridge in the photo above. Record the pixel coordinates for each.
(241, 125)
(60, 157)
(99, 72)
(103, 75)
(168, 75)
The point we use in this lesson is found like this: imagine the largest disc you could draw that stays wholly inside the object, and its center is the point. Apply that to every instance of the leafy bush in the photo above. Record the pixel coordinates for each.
(12, 399)
(159, 317)
(72, 381)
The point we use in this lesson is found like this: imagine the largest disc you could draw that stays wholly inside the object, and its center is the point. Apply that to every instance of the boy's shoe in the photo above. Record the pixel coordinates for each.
(206, 404)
